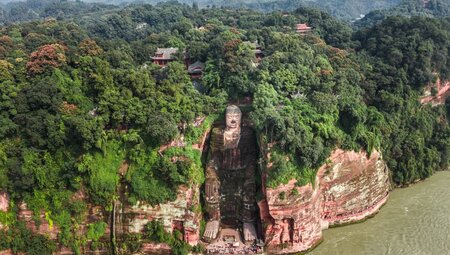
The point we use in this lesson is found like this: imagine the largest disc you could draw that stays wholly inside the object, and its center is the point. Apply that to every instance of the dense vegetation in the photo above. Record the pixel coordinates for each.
(37, 9)
(83, 111)
(347, 10)
(155, 231)
(406, 54)
(408, 8)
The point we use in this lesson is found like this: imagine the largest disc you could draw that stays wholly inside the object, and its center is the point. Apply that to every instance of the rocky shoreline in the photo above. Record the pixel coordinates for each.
(349, 189)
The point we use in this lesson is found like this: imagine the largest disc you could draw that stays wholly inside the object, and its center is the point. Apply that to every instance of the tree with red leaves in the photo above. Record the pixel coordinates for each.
(90, 47)
(45, 58)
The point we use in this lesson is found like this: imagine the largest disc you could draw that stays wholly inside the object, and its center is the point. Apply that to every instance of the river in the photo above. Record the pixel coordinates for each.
(414, 221)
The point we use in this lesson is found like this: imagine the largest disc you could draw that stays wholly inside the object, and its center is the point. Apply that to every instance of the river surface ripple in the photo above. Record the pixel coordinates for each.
(415, 221)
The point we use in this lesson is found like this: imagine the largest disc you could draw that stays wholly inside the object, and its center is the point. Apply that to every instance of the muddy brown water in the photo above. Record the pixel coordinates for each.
(415, 221)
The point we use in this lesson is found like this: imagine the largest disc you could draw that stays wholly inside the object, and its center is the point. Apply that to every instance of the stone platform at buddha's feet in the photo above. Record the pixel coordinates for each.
(229, 241)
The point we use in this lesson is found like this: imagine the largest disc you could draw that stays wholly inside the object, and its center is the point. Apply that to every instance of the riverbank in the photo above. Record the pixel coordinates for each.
(415, 220)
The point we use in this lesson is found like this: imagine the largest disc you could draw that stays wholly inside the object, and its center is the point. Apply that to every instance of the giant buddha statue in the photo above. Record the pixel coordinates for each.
(230, 178)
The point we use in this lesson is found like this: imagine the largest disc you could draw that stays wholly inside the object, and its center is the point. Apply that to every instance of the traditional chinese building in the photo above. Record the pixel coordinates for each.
(257, 50)
(303, 28)
(164, 55)
(196, 70)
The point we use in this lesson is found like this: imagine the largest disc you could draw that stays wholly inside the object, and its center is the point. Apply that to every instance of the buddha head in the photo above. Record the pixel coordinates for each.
(233, 117)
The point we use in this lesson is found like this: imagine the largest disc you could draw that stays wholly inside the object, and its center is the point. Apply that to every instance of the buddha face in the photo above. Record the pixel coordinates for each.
(233, 117)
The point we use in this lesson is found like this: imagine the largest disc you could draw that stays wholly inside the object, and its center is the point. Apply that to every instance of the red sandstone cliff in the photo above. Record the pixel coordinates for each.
(48, 229)
(4, 204)
(350, 188)
(4, 201)
(442, 92)
(179, 214)
(130, 219)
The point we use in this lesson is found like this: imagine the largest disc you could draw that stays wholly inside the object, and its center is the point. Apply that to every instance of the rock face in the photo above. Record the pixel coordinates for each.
(47, 228)
(4, 201)
(4, 204)
(350, 188)
(353, 186)
(442, 92)
(44, 228)
(177, 215)
(51, 231)
(295, 223)
(183, 214)
(6, 252)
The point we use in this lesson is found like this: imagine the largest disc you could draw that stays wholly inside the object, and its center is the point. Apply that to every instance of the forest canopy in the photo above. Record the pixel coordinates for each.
(83, 110)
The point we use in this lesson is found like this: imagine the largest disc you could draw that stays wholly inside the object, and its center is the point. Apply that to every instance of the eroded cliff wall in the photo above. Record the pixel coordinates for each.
(181, 214)
(350, 188)
(4, 204)
(442, 89)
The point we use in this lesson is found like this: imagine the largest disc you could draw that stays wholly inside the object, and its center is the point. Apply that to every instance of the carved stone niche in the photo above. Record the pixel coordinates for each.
(287, 231)
(297, 235)
(178, 225)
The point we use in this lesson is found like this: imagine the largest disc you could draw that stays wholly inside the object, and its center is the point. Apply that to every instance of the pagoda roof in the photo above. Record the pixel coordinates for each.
(196, 67)
(165, 53)
(303, 26)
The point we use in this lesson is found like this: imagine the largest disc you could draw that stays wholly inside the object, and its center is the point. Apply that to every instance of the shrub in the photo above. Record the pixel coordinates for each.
(96, 230)
(103, 171)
